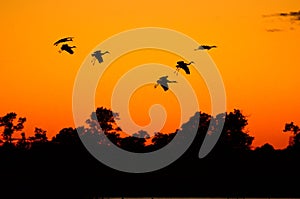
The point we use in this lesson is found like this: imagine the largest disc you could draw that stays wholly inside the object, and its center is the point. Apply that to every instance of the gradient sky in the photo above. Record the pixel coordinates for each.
(259, 67)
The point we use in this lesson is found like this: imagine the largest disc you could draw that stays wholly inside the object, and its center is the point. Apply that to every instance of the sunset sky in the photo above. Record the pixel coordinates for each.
(257, 56)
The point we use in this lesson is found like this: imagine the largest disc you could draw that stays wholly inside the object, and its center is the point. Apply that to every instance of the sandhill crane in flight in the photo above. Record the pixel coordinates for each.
(184, 66)
(67, 48)
(205, 47)
(98, 56)
(163, 82)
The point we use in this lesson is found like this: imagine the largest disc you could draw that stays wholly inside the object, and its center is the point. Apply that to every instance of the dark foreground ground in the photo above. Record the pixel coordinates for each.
(71, 172)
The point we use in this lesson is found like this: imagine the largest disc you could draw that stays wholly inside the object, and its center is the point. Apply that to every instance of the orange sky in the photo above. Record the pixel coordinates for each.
(259, 68)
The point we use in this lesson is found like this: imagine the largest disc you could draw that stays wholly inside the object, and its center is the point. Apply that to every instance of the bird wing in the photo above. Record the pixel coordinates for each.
(186, 70)
(57, 42)
(63, 40)
(100, 59)
(67, 48)
(164, 87)
(97, 52)
(204, 47)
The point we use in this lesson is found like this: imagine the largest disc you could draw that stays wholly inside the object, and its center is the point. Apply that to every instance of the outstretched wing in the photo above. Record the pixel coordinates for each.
(186, 70)
(165, 87)
(206, 47)
(99, 58)
(63, 40)
(67, 48)
(97, 54)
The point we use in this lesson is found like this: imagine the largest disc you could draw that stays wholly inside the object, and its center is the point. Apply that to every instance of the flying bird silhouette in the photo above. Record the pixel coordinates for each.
(98, 55)
(63, 40)
(67, 48)
(205, 47)
(184, 66)
(163, 82)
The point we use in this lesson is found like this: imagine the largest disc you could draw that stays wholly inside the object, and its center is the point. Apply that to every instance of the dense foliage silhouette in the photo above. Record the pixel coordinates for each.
(61, 167)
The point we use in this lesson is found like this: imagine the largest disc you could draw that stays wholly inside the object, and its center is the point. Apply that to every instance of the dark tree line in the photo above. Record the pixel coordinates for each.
(36, 166)
(233, 137)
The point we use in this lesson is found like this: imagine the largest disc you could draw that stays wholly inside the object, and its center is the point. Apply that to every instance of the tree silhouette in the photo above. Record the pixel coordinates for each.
(102, 123)
(266, 148)
(23, 143)
(160, 140)
(105, 118)
(114, 137)
(39, 135)
(134, 143)
(30, 166)
(66, 136)
(233, 135)
(202, 131)
(295, 138)
(7, 122)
